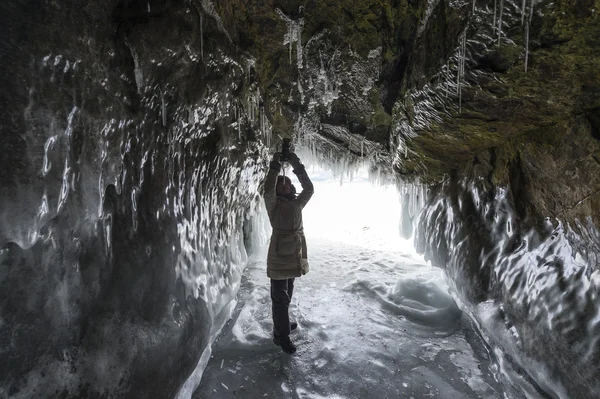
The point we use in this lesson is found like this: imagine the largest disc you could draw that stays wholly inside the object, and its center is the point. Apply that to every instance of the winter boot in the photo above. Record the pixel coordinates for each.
(286, 344)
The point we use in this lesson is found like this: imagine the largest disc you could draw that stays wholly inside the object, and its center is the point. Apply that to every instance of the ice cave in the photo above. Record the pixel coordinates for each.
(452, 237)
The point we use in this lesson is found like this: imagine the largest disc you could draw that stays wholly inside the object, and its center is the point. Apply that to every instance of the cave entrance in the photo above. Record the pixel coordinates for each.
(352, 207)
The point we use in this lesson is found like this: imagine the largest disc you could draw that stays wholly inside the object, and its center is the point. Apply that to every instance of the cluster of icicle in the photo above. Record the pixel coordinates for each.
(526, 15)
(293, 35)
(443, 97)
(256, 116)
(323, 68)
(317, 151)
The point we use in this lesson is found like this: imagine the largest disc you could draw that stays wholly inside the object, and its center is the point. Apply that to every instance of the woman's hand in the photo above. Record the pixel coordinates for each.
(293, 159)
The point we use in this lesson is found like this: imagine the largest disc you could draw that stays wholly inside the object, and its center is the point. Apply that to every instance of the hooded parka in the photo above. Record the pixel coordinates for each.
(287, 256)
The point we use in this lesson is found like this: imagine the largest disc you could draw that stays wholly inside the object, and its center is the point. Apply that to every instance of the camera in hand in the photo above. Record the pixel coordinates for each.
(285, 150)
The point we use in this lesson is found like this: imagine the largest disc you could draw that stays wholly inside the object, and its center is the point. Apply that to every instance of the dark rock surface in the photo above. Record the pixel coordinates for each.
(530, 127)
(124, 188)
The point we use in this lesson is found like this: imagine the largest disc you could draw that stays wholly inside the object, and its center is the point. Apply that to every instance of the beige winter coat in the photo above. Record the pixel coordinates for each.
(287, 257)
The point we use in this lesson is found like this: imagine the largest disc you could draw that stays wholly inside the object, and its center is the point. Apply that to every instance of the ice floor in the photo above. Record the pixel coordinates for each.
(374, 320)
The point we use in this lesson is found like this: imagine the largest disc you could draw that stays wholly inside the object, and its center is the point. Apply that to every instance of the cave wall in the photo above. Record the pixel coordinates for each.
(533, 291)
(129, 165)
(506, 135)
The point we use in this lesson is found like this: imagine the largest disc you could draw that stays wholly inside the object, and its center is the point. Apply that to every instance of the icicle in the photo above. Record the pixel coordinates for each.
(164, 110)
(299, 44)
(300, 91)
(447, 79)
(495, 9)
(461, 67)
(248, 110)
(526, 45)
(464, 54)
(201, 38)
(262, 121)
(239, 123)
(250, 105)
(261, 130)
(290, 24)
(458, 74)
(500, 21)
(461, 72)
(527, 34)
(531, 11)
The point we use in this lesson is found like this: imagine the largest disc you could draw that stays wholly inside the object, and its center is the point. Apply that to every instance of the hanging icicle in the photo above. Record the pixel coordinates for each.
(527, 27)
(447, 79)
(458, 73)
(252, 118)
(500, 21)
(248, 108)
(239, 122)
(262, 121)
(299, 42)
(526, 45)
(164, 109)
(461, 67)
(290, 32)
(201, 37)
(495, 14)
(294, 34)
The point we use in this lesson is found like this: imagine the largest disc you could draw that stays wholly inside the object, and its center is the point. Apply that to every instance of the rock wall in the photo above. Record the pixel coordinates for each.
(517, 106)
(505, 133)
(129, 164)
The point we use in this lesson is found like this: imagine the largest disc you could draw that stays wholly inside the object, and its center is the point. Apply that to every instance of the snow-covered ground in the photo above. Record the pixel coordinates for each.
(375, 321)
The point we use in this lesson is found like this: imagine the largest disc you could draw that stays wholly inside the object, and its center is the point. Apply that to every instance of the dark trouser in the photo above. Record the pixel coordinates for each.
(281, 296)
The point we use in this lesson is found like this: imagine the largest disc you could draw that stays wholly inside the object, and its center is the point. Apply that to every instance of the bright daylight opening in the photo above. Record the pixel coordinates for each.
(353, 210)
